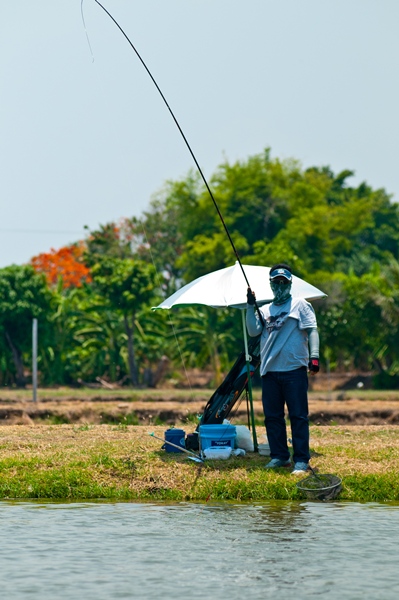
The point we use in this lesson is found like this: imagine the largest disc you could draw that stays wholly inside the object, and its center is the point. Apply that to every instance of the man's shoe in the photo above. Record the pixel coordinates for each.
(276, 463)
(300, 468)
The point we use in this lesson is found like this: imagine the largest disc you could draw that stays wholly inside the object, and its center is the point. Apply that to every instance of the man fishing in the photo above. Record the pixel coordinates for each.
(289, 347)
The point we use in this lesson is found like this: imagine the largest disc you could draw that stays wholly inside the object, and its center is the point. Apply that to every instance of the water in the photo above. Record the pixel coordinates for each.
(287, 550)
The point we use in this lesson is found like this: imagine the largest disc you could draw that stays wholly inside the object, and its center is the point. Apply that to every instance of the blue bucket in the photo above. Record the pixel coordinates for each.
(217, 436)
(174, 436)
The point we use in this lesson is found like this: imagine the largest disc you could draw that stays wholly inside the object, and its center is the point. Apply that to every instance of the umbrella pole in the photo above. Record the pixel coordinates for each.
(247, 360)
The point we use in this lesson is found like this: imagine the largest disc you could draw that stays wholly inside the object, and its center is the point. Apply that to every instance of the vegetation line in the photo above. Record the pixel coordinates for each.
(93, 298)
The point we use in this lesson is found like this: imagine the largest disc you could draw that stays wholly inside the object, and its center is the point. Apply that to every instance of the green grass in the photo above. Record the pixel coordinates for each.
(122, 462)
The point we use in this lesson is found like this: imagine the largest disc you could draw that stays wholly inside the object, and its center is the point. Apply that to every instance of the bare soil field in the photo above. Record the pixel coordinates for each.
(172, 407)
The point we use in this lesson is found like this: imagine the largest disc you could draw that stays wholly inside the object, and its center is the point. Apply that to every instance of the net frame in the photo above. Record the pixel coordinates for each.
(320, 487)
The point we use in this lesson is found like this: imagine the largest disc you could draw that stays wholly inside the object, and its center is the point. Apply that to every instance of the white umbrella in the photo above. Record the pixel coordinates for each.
(227, 287)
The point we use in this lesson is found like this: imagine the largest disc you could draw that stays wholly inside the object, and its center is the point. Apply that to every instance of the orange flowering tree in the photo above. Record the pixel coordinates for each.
(65, 265)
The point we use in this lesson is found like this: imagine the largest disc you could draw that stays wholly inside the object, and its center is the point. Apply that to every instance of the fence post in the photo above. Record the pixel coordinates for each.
(34, 359)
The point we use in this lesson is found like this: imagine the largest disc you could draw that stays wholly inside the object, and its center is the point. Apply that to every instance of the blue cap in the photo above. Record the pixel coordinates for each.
(281, 273)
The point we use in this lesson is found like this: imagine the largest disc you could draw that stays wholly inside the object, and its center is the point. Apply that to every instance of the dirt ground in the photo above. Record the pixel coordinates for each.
(326, 407)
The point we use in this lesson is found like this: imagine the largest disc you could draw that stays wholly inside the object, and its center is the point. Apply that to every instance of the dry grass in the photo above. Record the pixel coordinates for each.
(125, 462)
(356, 449)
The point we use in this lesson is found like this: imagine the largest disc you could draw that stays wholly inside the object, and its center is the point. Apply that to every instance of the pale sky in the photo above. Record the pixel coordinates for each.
(85, 143)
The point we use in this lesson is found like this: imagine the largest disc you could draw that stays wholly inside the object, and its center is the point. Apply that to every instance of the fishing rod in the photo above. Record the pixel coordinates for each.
(192, 455)
(183, 136)
(199, 170)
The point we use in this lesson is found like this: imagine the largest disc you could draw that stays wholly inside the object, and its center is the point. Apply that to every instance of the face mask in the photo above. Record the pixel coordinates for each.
(281, 291)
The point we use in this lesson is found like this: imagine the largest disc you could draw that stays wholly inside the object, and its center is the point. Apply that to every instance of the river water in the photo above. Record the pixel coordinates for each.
(287, 550)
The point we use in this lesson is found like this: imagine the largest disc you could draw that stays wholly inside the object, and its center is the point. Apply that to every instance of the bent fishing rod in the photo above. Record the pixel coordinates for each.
(182, 134)
(185, 141)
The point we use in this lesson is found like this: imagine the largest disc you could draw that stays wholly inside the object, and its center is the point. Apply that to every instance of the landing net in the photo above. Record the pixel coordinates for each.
(320, 487)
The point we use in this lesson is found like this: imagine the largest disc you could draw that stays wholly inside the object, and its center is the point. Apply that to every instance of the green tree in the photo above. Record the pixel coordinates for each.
(111, 239)
(386, 354)
(350, 320)
(338, 237)
(84, 339)
(158, 235)
(58, 340)
(273, 209)
(127, 285)
(206, 338)
(24, 295)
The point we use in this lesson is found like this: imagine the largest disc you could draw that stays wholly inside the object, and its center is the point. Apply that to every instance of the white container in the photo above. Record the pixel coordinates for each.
(218, 453)
(264, 449)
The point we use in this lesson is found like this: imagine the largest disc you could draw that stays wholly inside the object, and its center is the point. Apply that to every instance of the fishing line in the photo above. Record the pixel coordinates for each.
(84, 27)
(185, 140)
(232, 414)
(181, 132)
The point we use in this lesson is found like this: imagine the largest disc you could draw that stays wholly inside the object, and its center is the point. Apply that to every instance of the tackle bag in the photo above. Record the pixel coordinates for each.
(228, 393)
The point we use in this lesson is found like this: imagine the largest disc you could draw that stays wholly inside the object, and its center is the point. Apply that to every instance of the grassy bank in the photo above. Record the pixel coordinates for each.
(123, 462)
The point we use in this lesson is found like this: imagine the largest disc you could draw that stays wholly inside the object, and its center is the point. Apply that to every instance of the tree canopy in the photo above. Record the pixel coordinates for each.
(95, 296)
(23, 296)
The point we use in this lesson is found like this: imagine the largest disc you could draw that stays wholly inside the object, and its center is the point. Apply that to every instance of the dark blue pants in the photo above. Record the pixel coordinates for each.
(290, 388)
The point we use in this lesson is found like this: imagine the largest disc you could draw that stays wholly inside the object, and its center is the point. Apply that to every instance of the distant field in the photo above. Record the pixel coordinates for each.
(177, 406)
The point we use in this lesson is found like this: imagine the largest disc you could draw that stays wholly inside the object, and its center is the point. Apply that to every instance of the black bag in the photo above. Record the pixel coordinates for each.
(228, 393)
(192, 441)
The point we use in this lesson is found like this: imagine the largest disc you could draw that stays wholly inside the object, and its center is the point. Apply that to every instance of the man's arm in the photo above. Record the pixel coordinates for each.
(314, 346)
(254, 326)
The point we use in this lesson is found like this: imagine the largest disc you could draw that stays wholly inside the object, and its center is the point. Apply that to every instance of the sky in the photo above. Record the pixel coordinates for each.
(86, 139)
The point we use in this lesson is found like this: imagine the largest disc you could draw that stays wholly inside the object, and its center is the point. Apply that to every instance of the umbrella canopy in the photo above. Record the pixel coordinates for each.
(227, 287)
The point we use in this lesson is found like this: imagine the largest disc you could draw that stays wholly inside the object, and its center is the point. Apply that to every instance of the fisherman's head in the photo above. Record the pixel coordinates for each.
(280, 277)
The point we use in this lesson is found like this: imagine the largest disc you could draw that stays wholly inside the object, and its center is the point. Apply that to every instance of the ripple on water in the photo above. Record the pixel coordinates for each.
(132, 550)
